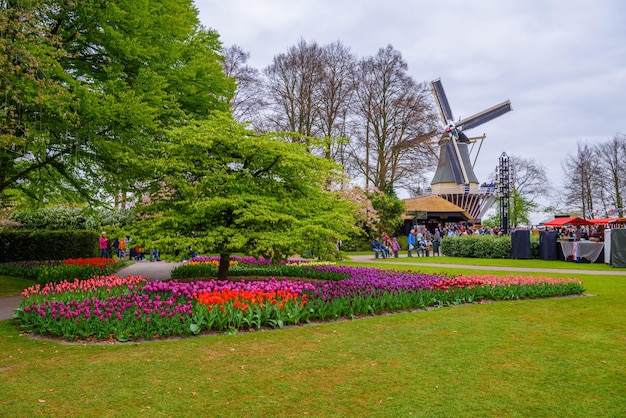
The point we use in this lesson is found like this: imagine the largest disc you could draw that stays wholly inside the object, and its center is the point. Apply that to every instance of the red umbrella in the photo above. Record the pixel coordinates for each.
(568, 221)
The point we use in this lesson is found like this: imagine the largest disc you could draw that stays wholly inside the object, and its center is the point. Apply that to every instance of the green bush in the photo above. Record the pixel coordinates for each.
(502, 247)
(23, 245)
(534, 247)
(403, 240)
(477, 246)
(356, 244)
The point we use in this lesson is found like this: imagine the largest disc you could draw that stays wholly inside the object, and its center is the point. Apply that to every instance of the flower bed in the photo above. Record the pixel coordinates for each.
(109, 307)
(57, 271)
(203, 266)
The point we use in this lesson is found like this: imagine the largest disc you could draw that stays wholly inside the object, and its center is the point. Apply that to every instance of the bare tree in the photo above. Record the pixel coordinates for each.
(393, 113)
(529, 178)
(612, 159)
(333, 96)
(249, 99)
(292, 81)
(582, 173)
(530, 182)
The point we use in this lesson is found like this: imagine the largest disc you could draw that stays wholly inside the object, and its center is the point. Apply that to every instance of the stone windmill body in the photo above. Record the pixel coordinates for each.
(454, 179)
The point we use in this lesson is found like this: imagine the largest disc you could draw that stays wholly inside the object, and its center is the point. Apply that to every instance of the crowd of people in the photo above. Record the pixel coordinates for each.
(424, 242)
(122, 249)
(578, 233)
(420, 242)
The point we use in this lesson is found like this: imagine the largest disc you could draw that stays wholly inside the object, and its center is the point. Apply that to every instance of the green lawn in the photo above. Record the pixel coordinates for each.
(537, 264)
(10, 286)
(553, 357)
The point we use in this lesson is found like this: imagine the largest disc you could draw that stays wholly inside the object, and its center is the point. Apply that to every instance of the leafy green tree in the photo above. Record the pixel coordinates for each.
(520, 208)
(529, 182)
(389, 209)
(90, 88)
(40, 103)
(224, 189)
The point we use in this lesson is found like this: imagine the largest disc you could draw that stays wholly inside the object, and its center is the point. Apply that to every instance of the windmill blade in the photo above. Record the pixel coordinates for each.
(442, 101)
(459, 161)
(485, 116)
(456, 163)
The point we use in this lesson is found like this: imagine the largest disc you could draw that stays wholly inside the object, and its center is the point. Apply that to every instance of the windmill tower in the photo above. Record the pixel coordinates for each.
(454, 179)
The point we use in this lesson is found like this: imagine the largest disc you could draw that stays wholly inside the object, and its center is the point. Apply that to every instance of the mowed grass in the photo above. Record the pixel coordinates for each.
(551, 357)
(523, 263)
(11, 286)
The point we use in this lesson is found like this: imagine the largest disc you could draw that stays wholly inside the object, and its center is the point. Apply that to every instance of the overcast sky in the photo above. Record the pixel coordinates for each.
(562, 63)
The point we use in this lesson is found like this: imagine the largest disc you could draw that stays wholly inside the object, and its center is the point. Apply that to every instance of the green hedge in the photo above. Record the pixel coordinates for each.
(483, 246)
(47, 245)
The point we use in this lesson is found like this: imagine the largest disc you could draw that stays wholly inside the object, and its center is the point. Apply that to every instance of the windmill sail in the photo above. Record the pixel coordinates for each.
(485, 116)
(442, 101)
(455, 163)
(454, 179)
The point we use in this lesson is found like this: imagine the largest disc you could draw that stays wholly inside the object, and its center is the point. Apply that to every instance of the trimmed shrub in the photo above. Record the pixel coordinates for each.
(47, 245)
(477, 246)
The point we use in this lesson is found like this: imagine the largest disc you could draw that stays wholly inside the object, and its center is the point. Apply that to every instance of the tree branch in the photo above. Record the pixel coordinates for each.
(267, 169)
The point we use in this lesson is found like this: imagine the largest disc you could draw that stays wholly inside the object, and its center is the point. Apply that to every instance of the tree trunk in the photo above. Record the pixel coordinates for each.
(222, 273)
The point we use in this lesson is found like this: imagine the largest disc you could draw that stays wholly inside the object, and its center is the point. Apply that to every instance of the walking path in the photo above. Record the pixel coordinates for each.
(161, 270)
(371, 259)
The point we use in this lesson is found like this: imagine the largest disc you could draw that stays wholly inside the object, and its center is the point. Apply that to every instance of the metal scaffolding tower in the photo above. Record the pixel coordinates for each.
(504, 179)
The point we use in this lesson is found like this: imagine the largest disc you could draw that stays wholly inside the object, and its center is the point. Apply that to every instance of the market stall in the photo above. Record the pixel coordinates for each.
(582, 250)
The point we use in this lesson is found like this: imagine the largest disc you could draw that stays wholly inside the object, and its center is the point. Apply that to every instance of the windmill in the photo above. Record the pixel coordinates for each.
(454, 179)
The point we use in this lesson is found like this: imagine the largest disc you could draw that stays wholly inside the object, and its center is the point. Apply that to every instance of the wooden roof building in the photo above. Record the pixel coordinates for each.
(434, 208)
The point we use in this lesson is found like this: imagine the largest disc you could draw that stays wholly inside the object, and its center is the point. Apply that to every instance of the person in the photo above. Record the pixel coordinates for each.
(154, 255)
(116, 246)
(386, 241)
(584, 234)
(436, 241)
(395, 247)
(121, 252)
(139, 253)
(129, 249)
(104, 245)
(411, 242)
(377, 248)
(422, 247)
(419, 236)
(386, 250)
